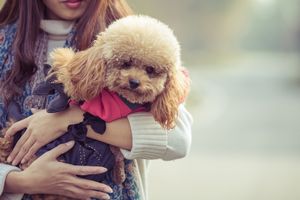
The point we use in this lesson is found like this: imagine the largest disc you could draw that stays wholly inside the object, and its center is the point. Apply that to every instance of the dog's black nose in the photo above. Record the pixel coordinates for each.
(134, 83)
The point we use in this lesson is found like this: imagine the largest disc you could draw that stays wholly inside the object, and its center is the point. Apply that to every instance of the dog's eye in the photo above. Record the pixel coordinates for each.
(150, 70)
(127, 64)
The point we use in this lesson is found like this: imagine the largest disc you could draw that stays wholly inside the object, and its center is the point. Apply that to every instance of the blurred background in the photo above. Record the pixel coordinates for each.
(243, 58)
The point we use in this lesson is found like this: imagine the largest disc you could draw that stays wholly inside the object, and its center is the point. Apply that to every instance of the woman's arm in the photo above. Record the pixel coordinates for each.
(48, 176)
(42, 128)
(151, 141)
(140, 136)
(8, 172)
(117, 133)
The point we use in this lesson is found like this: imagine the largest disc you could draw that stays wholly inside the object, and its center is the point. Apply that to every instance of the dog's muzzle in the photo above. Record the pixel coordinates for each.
(134, 83)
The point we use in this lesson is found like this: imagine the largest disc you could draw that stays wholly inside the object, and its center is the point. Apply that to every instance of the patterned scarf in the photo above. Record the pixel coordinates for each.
(126, 191)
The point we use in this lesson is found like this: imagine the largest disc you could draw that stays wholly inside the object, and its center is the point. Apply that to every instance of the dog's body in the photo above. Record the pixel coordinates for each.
(135, 61)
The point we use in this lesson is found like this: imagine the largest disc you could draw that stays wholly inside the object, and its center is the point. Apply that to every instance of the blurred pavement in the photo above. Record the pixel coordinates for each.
(246, 134)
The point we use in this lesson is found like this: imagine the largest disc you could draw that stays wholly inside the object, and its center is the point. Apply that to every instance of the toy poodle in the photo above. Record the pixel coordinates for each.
(137, 58)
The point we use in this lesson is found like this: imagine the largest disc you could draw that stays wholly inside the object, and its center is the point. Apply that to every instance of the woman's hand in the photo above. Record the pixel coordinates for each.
(46, 175)
(42, 128)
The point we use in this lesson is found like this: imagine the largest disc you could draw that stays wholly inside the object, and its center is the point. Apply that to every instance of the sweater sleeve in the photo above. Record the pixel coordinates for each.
(151, 141)
(4, 170)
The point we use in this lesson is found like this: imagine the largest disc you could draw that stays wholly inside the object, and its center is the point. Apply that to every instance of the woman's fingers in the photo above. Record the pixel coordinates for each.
(78, 193)
(50, 176)
(33, 149)
(18, 146)
(23, 149)
(17, 126)
(84, 170)
(90, 185)
(34, 110)
(59, 150)
(87, 187)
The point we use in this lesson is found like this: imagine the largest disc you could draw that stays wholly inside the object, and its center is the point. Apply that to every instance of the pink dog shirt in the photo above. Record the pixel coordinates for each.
(109, 106)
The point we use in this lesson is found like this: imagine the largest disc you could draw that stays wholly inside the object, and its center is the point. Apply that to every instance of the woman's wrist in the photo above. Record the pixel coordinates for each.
(117, 133)
(73, 115)
(16, 183)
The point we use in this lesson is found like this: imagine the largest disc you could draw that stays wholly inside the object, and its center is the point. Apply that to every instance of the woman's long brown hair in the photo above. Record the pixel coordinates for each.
(28, 14)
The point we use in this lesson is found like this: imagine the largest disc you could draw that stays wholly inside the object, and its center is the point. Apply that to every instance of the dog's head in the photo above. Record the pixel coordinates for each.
(141, 53)
(142, 58)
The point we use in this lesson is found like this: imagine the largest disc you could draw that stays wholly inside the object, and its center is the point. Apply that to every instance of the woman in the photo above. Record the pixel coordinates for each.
(29, 30)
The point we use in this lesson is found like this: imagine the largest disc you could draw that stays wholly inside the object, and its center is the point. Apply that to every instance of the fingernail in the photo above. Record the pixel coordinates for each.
(14, 162)
(70, 143)
(108, 190)
(102, 170)
(9, 159)
(105, 196)
(23, 160)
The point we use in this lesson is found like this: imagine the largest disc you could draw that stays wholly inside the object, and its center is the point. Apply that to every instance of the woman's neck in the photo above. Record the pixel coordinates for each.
(57, 29)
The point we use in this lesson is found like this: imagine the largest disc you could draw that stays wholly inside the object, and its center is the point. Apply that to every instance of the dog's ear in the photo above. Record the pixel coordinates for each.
(87, 74)
(61, 57)
(82, 75)
(165, 106)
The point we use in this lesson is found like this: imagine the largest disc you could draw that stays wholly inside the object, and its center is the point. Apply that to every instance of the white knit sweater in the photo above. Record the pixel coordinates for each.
(149, 139)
